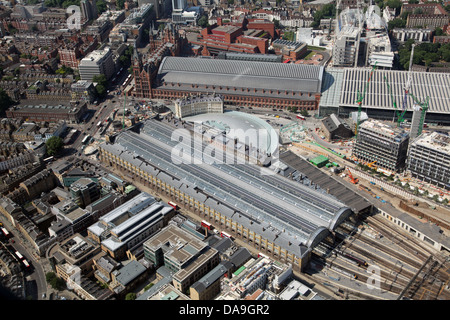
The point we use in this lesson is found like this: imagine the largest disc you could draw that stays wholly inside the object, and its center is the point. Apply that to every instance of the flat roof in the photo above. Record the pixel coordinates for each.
(434, 140)
(334, 187)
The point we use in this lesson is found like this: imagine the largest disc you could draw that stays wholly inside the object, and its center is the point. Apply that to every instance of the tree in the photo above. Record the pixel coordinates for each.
(130, 296)
(203, 21)
(120, 4)
(395, 4)
(100, 89)
(101, 6)
(100, 79)
(396, 23)
(64, 70)
(5, 101)
(304, 113)
(54, 144)
(56, 283)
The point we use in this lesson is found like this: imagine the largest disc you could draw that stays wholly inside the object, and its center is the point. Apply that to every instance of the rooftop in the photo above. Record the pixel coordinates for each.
(242, 74)
(289, 213)
(436, 141)
(423, 84)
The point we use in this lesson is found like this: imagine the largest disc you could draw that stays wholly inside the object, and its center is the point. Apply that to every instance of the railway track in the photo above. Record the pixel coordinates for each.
(407, 243)
(420, 273)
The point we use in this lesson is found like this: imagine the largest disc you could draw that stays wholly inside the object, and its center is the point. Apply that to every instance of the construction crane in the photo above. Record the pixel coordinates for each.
(352, 179)
(124, 104)
(360, 98)
(408, 82)
(397, 112)
(371, 165)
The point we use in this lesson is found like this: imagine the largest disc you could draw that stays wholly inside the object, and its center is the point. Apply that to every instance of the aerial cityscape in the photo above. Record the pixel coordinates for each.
(226, 150)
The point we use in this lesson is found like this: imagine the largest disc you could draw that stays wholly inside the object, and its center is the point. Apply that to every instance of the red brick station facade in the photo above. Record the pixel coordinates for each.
(163, 74)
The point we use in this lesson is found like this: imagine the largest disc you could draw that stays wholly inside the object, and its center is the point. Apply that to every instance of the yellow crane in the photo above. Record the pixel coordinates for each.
(371, 165)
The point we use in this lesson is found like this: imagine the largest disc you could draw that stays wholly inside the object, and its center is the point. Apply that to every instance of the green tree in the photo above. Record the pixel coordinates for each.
(64, 70)
(54, 144)
(101, 6)
(304, 113)
(203, 21)
(100, 79)
(394, 4)
(100, 89)
(130, 296)
(56, 283)
(396, 23)
(120, 4)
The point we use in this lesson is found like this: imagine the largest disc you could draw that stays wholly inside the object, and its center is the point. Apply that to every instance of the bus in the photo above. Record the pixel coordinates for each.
(223, 234)
(260, 254)
(173, 205)
(5, 232)
(299, 116)
(206, 225)
(26, 264)
(49, 159)
(17, 253)
(85, 139)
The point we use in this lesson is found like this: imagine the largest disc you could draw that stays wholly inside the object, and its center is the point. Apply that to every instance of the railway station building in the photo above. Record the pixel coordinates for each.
(286, 223)
(242, 83)
(384, 94)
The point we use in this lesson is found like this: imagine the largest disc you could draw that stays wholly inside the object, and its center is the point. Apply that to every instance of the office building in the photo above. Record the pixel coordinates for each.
(130, 224)
(84, 192)
(96, 63)
(418, 34)
(384, 144)
(88, 9)
(191, 106)
(429, 159)
(345, 48)
(83, 91)
(186, 256)
(74, 251)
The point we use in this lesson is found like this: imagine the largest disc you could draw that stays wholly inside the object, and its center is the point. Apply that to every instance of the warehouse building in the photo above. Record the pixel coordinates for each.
(429, 159)
(277, 216)
(334, 127)
(340, 93)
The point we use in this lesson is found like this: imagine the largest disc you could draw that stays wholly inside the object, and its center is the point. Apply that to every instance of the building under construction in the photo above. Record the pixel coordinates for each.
(384, 144)
(429, 159)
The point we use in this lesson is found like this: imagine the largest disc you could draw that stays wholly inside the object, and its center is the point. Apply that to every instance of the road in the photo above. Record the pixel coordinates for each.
(36, 284)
